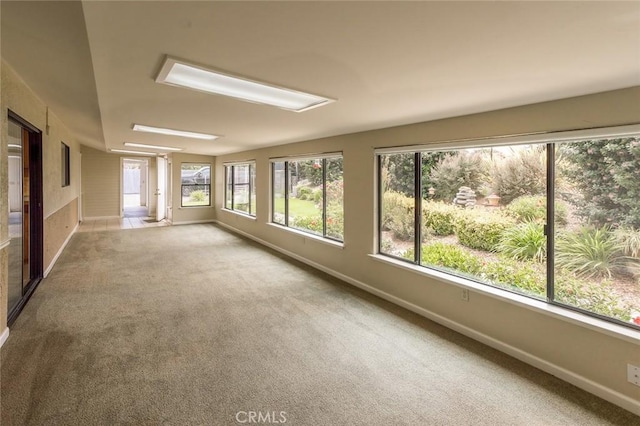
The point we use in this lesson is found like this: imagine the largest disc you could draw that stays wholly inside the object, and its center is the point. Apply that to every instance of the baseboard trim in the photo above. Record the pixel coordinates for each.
(62, 247)
(577, 380)
(192, 222)
(100, 218)
(4, 336)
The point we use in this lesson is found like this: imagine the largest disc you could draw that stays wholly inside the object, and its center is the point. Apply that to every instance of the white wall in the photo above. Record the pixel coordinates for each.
(588, 356)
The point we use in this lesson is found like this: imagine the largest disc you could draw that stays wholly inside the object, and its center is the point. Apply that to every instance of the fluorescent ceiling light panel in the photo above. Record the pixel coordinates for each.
(171, 132)
(141, 145)
(125, 151)
(13, 145)
(179, 73)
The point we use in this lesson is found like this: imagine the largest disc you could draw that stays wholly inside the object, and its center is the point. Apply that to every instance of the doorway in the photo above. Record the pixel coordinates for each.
(25, 213)
(135, 173)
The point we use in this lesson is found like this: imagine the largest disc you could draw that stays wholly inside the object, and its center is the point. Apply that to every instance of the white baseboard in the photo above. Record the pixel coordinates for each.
(4, 336)
(100, 218)
(62, 247)
(577, 380)
(191, 222)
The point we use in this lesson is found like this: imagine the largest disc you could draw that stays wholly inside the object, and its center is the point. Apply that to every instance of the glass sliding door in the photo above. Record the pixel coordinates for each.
(18, 250)
(25, 213)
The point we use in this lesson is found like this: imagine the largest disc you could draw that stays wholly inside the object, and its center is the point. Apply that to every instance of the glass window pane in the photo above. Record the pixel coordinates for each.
(18, 215)
(278, 192)
(228, 170)
(334, 204)
(597, 227)
(397, 222)
(65, 166)
(196, 184)
(241, 188)
(252, 193)
(483, 215)
(305, 195)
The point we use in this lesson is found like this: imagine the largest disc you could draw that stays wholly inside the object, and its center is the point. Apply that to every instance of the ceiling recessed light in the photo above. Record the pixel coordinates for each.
(141, 145)
(171, 132)
(179, 73)
(125, 151)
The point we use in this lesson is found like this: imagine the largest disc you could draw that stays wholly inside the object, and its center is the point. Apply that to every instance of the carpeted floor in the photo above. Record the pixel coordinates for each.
(192, 325)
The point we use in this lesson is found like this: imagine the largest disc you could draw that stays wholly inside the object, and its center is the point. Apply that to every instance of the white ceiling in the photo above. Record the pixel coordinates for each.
(387, 63)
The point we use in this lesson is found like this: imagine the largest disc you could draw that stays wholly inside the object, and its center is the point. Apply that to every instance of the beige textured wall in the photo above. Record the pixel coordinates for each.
(101, 180)
(18, 97)
(189, 214)
(591, 354)
(57, 227)
(100, 183)
(4, 201)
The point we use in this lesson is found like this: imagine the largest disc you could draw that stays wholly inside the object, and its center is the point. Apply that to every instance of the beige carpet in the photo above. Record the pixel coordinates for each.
(191, 325)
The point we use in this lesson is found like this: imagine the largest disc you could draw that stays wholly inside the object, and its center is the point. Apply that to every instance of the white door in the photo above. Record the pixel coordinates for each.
(161, 192)
(169, 193)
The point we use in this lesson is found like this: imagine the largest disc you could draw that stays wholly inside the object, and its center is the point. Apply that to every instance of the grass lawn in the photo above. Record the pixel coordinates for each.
(186, 202)
(298, 207)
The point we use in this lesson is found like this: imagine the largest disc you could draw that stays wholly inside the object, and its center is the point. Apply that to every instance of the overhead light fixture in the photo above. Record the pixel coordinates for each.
(13, 145)
(172, 132)
(141, 145)
(179, 73)
(124, 151)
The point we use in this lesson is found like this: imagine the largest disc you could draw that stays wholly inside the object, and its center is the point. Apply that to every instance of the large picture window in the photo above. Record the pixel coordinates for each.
(307, 195)
(196, 184)
(240, 180)
(557, 221)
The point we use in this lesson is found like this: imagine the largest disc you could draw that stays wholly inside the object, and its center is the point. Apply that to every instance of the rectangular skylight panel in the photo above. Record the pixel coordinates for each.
(194, 77)
(126, 151)
(142, 145)
(172, 132)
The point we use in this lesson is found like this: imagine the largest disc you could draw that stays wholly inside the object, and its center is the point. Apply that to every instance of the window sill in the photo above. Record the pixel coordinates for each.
(241, 214)
(195, 207)
(308, 235)
(567, 315)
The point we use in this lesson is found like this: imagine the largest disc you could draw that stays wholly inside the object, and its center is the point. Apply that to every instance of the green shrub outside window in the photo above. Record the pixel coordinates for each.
(487, 214)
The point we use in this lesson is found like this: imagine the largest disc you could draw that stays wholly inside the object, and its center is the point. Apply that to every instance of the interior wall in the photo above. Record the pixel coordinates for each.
(19, 98)
(57, 228)
(101, 176)
(100, 183)
(599, 358)
(181, 214)
(4, 198)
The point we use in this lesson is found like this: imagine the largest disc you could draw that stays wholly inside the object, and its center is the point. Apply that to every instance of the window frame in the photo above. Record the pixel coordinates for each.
(550, 141)
(182, 185)
(324, 157)
(252, 171)
(65, 157)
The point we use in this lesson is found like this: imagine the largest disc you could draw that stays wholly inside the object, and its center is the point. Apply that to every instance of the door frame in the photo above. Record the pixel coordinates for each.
(161, 191)
(146, 184)
(36, 217)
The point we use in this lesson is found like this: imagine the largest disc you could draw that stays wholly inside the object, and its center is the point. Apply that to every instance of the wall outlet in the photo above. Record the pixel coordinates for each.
(465, 294)
(633, 374)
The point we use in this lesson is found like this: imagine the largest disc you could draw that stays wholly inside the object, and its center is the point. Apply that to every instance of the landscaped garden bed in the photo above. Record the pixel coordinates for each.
(484, 217)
